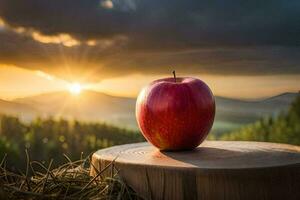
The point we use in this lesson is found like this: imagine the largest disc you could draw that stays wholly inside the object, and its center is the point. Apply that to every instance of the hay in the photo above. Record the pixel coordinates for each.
(68, 181)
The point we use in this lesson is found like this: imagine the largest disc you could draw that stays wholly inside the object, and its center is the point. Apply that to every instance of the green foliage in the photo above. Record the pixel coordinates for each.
(49, 138)
(285, 128)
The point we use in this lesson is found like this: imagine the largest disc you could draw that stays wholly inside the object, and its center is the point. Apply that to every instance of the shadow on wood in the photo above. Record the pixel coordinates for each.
(215, 170)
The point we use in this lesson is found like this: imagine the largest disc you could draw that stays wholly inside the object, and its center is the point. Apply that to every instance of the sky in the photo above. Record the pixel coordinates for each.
(243, 49)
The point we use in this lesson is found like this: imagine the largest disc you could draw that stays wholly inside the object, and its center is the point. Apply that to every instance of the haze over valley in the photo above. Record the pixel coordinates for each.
(100, 107)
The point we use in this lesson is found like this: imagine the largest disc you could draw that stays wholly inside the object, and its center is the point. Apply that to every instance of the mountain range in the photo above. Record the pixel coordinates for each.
(96, 106)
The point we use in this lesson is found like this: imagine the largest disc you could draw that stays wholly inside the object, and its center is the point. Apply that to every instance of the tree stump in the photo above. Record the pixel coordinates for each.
(215, 170)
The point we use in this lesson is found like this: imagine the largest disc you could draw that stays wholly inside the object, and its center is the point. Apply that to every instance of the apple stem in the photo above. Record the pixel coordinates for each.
(174, 74)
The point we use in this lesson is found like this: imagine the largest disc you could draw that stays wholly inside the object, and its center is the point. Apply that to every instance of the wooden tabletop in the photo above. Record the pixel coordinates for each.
(214, 170)
(209, 155)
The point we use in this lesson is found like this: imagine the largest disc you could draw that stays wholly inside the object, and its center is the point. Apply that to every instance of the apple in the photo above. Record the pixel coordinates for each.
(175, 113)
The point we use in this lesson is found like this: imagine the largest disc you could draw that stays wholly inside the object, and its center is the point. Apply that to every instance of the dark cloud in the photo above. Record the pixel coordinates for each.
(197, 36)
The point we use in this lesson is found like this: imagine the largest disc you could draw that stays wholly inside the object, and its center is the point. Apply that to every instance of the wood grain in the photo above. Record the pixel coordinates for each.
(215, 170)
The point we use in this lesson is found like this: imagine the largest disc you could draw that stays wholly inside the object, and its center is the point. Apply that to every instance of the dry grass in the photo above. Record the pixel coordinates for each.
(69, 181)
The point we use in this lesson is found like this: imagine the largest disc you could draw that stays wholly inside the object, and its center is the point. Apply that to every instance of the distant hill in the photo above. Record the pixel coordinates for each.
(283, 128)
(231, 113)
(89, 106)
(245, 111)
(25, 112)
(96, 106)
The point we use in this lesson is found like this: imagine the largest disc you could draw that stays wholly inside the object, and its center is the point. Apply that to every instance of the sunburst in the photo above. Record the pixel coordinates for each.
(75, 88)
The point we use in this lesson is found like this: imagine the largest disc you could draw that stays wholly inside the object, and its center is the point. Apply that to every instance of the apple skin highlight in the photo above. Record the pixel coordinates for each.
(175, 115)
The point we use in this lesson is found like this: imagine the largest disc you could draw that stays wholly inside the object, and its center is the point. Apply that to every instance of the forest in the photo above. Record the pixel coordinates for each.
(284, 128)
(46, 139)
(52, 138)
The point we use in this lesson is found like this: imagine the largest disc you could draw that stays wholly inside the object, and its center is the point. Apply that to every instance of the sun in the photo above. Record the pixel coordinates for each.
(75, 88)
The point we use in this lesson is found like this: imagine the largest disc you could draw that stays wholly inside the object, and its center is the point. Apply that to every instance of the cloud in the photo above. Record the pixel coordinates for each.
(61, 38)
(2, 24)
(107, 4)
(115, 37)
(173, 24)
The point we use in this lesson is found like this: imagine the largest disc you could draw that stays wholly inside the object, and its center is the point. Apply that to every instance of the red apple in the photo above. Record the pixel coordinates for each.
(175, 113)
